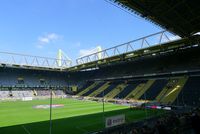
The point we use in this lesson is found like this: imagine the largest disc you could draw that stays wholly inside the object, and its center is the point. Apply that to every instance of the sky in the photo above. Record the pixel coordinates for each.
(41, 27)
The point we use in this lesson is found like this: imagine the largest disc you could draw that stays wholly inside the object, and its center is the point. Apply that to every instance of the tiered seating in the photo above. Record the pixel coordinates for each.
(99, 90)
(134, 91)
(22, 93)
(31, 78)
(116, 91)
(4, 94)
(106, 91)
(87, 89)
(144, 88)
(163, 90)
(59, 92)
(171, 96)
(43, 92)
(140, 90)
(94, 89)
(170, 85)
(19, 94)
(128, 89)
(84, 85)
(171, 90)
(154, 90)
(190, 94)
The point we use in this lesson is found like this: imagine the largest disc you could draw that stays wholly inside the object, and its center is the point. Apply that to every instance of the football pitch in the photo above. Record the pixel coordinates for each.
(74, 117)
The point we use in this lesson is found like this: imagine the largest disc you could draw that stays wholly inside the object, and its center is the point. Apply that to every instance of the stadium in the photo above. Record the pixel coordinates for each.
(151, 88)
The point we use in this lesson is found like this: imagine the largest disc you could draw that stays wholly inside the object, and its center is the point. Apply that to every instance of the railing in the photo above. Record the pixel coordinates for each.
(32, 61)
(141, 43)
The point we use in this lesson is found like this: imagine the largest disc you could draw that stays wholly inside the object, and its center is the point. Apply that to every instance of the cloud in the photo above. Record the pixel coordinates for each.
(77, 44)
(84, 52)
(46, 39)
(39, 46)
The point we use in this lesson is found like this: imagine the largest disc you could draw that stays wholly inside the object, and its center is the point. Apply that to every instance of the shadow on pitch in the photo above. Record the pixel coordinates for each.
(74, 125)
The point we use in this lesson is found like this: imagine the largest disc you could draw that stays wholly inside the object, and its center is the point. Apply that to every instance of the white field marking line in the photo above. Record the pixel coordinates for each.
(25, 129)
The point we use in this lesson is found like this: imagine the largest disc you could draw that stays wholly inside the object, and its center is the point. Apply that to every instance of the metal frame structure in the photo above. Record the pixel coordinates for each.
(181, 17)
(14, 59)
(141, 43)
(30, 61)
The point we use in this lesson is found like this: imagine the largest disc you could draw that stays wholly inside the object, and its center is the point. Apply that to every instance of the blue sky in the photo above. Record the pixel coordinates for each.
(41, 27)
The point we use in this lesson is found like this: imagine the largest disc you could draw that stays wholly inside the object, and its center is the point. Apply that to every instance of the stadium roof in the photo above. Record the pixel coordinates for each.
(168, 47)
(181, 17)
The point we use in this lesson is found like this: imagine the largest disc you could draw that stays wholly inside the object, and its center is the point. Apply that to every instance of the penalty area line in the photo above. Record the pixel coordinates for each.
(26, 130)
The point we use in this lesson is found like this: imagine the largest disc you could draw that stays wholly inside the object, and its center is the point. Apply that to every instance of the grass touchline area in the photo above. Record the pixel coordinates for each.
(74, 117)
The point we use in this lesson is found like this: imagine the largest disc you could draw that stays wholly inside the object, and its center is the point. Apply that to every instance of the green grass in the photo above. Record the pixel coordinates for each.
(76, 117)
